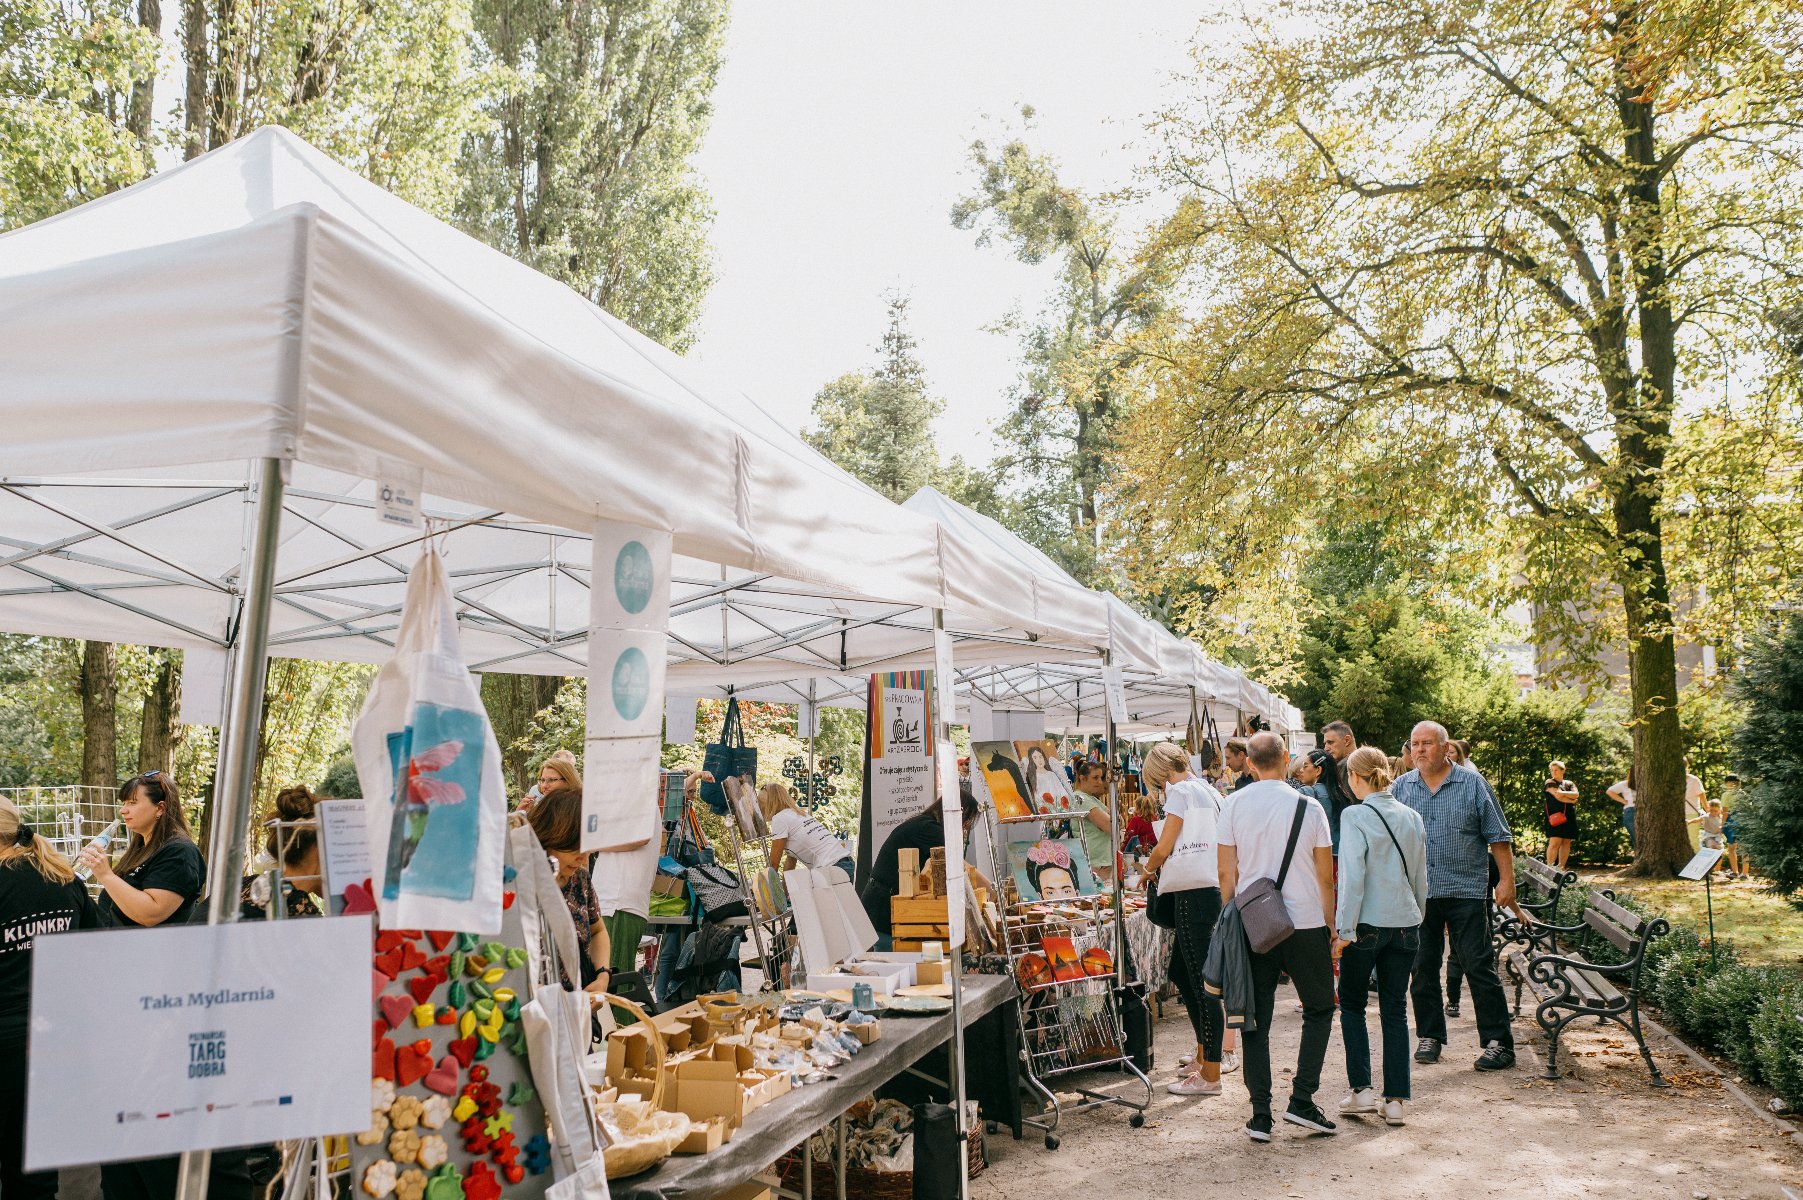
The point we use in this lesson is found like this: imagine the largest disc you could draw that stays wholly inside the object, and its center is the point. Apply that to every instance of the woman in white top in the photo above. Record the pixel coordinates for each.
(798, 835)
(1184, 864)
(1623, 794)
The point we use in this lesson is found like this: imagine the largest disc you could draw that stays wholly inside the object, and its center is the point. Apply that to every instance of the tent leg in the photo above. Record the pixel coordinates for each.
(1114, 837)
(238, 745)
(942, 742)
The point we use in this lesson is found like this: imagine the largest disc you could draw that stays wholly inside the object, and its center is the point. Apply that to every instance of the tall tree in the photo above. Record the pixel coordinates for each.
(64, 71)
(879, 426)
(1074, 382)
(584, 170)
(1471, 259)
(159, 733)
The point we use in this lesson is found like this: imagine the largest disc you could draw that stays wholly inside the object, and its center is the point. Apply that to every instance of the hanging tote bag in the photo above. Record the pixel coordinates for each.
(1192, 861)
(728, 756)
(431, 771)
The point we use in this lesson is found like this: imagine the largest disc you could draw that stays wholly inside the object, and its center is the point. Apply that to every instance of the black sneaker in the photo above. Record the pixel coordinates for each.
(1427, 1050)
(1496, 1057)
(1306, 1114)
(1259, 1127)
(1452, 1008)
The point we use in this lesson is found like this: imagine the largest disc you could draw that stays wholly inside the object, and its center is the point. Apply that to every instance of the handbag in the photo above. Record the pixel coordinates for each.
(717, 891)
(1557, 819)
(1193, 856)
(1262, 912)
(1161, 907)
(728, 756)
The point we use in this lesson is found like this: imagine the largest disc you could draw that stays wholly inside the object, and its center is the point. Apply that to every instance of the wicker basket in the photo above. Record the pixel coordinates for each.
(658, 1137)
(867, 1184)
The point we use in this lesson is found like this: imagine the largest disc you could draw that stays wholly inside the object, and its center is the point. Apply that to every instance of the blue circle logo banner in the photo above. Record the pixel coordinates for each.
(633, 577)
(631, 683)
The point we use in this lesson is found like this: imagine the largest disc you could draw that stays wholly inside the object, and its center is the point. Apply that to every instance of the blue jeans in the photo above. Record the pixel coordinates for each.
(1391, 954)
(1627, 820)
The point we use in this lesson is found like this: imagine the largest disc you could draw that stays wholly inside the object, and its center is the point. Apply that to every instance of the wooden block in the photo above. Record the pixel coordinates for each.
(908, 862)
(925, 910)
(921, 932)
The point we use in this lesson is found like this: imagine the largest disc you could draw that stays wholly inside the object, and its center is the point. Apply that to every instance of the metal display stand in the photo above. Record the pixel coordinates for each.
(1071, 1026)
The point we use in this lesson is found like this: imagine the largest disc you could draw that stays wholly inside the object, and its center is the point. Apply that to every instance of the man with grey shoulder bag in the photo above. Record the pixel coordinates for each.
(1276, 863)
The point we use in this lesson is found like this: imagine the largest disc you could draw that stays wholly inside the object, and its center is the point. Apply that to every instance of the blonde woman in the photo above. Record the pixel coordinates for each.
(1382, 896)
(558, 771)
(797, 835)
(38, 894)
(1184, 863)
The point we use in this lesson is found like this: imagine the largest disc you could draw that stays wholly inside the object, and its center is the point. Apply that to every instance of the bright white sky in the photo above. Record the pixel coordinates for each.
(839, 144)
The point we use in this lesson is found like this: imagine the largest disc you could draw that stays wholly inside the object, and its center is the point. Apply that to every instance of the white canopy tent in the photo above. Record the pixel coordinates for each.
(215, 382)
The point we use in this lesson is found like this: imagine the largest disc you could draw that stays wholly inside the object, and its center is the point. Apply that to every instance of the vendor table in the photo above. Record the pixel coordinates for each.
(785, 1123)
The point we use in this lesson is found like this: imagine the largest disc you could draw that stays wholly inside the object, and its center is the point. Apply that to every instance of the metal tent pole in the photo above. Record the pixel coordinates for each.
(942, 738)
(1114, 825)
(238, 744)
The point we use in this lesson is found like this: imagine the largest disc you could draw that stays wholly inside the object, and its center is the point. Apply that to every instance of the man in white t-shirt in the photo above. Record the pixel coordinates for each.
(1252, 835)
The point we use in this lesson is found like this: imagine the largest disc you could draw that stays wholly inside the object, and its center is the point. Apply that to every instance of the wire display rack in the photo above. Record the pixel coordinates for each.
(1070, 1028)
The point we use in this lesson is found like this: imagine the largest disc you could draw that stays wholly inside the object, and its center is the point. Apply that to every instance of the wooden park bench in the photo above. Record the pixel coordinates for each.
(1537, 889)
(1582, 987)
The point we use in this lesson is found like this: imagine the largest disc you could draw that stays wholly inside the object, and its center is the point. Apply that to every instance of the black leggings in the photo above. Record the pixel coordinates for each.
(13, 1180)
(1197, 911)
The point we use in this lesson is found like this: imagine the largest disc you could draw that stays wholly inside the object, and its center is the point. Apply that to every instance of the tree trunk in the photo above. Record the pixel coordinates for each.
(99, 707)
(512, 702)
(143, 90)
(159, 734)
(194, 98)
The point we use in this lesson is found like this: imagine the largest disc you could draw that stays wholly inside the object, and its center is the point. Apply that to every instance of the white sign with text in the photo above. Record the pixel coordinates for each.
(219, 1035)
(344, 851)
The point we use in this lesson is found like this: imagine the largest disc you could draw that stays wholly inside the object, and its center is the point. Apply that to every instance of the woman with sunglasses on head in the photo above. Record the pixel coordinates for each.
(161, 874)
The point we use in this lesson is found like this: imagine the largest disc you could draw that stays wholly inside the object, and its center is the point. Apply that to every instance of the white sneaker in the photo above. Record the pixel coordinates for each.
(1186, 1060)
(1193, 1085)
(1393, 1112)
(1230, 1062)
(1362, 1101)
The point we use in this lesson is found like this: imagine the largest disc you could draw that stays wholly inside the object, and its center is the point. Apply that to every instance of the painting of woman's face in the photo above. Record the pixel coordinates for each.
(1056, 883)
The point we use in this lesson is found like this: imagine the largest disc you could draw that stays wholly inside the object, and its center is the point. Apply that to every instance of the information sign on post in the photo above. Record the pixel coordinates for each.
(227, 1035)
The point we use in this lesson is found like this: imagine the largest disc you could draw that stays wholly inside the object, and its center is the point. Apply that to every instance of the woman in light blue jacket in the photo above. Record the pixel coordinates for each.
(1382, 894)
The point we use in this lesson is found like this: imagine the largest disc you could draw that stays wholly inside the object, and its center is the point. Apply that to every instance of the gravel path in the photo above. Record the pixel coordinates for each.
(1601, 1133)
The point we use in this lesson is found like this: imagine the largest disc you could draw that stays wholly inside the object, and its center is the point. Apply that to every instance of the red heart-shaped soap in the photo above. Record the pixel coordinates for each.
(438, 965)
(387, 940)
(506, 901)
(382, 1060)
(396, 1009)
(422, 986)
(411, 956)
(390, 963)
(443, 1078)
(411, 1062)
(377, 981)
(463, 1049)
(359, 898)
(439, 938)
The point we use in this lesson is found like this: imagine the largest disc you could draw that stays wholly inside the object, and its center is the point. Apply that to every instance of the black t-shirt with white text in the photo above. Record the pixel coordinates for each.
(31, 906)
(176, 867)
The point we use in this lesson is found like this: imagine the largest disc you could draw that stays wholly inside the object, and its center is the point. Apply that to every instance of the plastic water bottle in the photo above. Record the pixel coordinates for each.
(100, 843)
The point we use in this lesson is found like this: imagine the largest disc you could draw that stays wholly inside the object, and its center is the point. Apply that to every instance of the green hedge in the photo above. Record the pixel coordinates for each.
(1750, 1015)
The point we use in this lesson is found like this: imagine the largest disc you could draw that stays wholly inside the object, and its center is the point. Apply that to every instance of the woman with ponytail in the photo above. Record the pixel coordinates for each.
(1383, 894)
(39, 894)
(1184, 864)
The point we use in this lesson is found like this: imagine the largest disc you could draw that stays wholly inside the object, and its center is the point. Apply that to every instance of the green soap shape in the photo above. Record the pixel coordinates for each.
(482, 990)
(456, 997)
(521, 1093)
(483, 1009)
(511, 1010)
(494, 951)
(446, 1184)
(484, 1048)
(468, 941)
(516, 957)
(456, 964)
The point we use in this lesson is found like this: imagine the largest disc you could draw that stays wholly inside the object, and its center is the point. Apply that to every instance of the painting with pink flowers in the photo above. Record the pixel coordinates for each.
(437, 761)
(1052, 868)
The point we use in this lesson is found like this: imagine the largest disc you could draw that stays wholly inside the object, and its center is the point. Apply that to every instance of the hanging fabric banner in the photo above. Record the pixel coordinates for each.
(629, 615)
(431, 770)
(898, 758)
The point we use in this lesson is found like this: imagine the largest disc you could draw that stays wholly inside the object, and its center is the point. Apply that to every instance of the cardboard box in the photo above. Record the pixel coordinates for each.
(704, 1089)
(880, 985)
(761, 1088)
(930, 973)
(865, 1034)
(704, 1136)
(900, 966)
(745, 1191)
(629, 1059)
(667, 885)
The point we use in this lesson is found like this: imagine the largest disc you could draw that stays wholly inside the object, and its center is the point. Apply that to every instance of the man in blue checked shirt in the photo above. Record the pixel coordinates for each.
(1465, 829)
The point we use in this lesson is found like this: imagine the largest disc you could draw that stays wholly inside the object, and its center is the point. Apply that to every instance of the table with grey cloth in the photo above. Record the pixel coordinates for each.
(783, 1124)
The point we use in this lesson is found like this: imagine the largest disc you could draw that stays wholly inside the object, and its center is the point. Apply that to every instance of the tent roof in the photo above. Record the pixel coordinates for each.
(263, 301)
